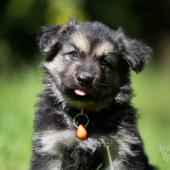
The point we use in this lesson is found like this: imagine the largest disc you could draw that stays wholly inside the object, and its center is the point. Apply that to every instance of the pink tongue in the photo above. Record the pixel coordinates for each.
(79, 92)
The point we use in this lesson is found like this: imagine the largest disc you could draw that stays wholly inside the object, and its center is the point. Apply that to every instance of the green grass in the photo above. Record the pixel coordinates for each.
(18, 91)
(17, 98)
(152, 90)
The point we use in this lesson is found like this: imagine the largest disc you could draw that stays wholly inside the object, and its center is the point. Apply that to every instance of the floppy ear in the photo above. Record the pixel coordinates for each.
(135, 53)
(48, 37)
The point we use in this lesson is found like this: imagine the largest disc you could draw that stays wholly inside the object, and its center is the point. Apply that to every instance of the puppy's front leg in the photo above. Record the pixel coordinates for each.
(129, 153)
(46, 162)
(48, 148)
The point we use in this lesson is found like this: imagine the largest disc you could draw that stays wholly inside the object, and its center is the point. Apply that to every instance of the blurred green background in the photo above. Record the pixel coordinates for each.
(20, 76)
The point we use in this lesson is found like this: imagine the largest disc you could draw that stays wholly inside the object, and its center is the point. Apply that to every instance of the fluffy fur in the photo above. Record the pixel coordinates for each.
(96, 59)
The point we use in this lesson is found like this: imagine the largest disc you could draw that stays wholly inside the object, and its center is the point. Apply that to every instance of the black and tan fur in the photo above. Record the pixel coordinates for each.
(92, 57)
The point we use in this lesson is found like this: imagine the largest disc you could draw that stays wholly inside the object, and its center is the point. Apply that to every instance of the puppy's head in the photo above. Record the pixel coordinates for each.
(89, 63)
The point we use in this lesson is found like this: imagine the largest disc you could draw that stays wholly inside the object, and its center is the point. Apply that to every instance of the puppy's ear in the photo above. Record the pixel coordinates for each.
(135, 53)
(48, 37)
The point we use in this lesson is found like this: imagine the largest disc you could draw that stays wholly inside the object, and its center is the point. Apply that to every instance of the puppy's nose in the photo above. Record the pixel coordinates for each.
(84, 78)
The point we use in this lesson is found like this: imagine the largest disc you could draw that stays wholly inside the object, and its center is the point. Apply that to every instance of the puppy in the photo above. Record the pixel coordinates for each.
(87, 83)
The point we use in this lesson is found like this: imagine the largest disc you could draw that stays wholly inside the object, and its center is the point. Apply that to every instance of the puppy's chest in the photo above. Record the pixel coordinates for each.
(96, 125)
(56, 142)
(63, 136)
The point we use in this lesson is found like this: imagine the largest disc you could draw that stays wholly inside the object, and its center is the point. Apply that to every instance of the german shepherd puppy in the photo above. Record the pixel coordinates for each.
(87, 70)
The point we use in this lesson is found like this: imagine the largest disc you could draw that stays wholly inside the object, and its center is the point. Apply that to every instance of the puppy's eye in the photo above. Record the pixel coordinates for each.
(73, 54)
(104, 62)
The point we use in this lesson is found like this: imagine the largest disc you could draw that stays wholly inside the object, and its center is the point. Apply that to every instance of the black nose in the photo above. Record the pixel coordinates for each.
(84, 78)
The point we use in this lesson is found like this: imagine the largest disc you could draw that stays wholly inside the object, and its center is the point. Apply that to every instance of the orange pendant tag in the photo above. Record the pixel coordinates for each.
(81, 132)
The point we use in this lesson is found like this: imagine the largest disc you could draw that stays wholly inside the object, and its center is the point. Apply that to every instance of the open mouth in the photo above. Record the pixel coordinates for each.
(82, 94)
(79, 92)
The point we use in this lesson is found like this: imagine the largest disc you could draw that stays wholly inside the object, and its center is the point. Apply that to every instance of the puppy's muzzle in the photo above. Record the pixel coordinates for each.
(84, 78)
